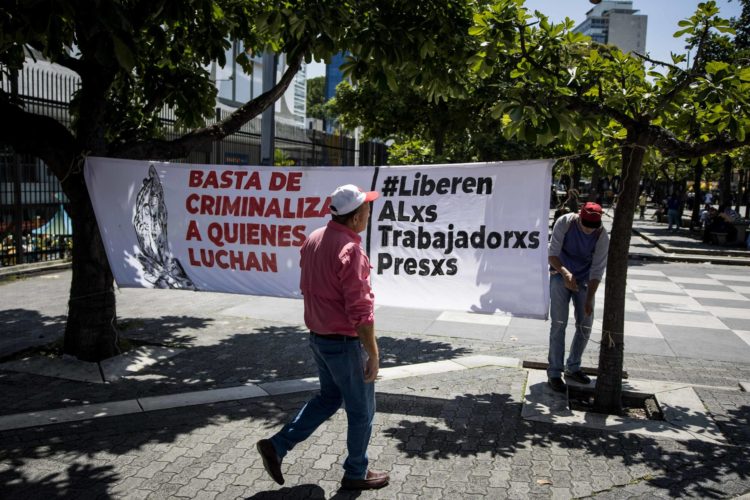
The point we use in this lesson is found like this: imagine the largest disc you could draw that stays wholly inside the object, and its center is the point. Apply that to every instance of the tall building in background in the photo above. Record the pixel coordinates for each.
(235, 87)
(334, 76)
(615, 22)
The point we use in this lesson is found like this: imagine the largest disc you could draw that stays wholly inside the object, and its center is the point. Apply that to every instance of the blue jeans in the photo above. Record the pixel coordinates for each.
(673, 218)
(559, 301)
(342, 380)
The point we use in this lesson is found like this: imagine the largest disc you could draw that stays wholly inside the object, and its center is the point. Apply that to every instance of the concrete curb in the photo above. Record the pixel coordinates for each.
(35, 268)
(109, 370)
(683, 255)
(246, 391)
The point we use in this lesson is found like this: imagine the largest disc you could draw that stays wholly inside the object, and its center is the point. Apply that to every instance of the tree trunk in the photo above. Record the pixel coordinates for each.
(726, 182)
(577, 175)
(698, 203)
(90, 333)
(596, 174)
(740, 184)
(439, 143)
(608, 393)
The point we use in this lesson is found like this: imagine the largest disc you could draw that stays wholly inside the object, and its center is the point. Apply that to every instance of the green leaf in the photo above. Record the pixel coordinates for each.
(496, 111)
(124, 55)
(475, 63)
(390, 77)
(218, 13)
(714, 67)
(477, 30)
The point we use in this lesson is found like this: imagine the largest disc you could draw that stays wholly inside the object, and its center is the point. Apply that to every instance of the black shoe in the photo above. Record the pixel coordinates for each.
(271, 460)
(578, 376)
(372, 481)
(557, 384)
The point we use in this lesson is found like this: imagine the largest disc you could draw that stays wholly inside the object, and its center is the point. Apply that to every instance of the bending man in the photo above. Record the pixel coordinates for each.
(577, 258)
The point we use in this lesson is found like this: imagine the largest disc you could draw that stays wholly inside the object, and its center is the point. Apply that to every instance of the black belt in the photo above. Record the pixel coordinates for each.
(334, 336)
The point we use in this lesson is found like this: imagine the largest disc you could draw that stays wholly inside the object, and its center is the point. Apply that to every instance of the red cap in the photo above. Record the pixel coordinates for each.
(591, 212)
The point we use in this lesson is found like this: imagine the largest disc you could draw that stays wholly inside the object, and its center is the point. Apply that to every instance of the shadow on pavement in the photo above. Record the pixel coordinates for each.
(22, 328)
(308, 491)
(208, 361)
(475, 424)
(444, 432)
(52, 485)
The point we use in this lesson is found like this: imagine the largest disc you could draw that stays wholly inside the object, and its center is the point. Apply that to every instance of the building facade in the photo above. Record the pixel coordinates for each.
(235, 87)
(615, 22)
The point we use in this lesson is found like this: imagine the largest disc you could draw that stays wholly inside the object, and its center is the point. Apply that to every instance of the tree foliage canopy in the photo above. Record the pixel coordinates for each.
(136, 57)
(563, 86)
(316, 97)
(557, 85)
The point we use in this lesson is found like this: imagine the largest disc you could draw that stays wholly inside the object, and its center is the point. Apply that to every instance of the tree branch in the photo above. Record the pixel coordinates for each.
(525, 53)
(182, 146)
(670, 145)
(659, 63)
(688, 78)
(40, 136)
(574, 103)
(71, 63)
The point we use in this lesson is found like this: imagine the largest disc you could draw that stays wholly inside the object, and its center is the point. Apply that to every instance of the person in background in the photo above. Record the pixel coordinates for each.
(577, 258)
(705, 215)
(729, 216)
(673, 212)
(642, 202)
(572, 201)
(339, 311)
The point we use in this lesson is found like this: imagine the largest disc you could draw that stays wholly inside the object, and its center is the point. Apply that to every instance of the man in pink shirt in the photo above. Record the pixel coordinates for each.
(339, 307)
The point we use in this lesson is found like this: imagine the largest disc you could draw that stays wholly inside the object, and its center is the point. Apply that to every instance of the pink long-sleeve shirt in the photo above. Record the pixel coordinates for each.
(335, 281)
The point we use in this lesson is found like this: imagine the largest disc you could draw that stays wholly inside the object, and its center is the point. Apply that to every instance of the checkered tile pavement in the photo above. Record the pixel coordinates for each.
(678, 310)
(695, 312)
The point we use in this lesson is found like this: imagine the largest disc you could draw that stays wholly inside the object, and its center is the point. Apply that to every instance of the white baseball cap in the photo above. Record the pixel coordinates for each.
(348, 198)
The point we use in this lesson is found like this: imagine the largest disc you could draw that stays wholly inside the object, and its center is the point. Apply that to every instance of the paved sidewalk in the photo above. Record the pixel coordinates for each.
(445, 436)
(441, 435)
(686, 245)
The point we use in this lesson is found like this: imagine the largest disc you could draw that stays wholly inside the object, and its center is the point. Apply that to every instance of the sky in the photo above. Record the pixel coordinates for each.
(663, 16)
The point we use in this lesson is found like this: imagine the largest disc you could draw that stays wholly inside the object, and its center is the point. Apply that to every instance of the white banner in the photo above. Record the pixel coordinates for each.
(469, 237)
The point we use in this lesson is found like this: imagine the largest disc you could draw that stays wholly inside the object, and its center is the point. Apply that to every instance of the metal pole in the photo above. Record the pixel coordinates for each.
(267, 124)
(218, 144)
(313, 148)
(233, 76)
(357, 131)
(17, 192)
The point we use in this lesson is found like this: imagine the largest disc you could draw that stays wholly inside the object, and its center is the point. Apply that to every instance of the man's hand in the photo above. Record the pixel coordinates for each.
(371, 369)
(591, 289)
(570, 281)
(588, 308)
(369, 344)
